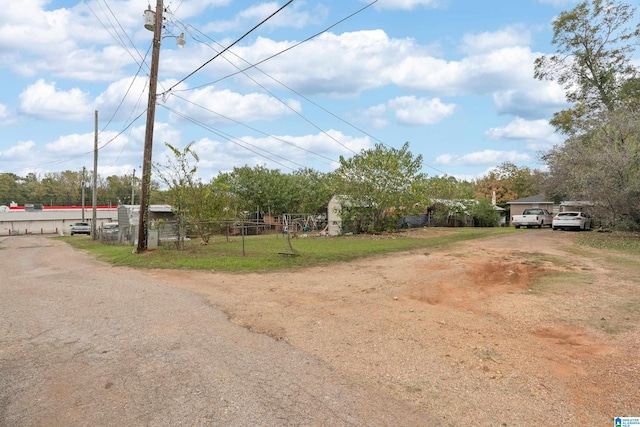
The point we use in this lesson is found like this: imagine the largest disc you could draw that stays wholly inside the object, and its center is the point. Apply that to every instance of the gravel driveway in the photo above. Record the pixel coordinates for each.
(83, 343)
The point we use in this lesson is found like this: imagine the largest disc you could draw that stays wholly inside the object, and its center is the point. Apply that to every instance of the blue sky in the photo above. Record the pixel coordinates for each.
(454, 78)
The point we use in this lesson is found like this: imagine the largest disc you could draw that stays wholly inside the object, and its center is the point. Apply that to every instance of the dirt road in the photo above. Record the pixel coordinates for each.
(472, 335)
(85, 344)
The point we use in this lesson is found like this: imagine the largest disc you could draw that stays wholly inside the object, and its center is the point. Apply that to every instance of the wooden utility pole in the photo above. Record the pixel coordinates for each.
(133, 181)
(84, 170)
(148, 136)
(94, 200)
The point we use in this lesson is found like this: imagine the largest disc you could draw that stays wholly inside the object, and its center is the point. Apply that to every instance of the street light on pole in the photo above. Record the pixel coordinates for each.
(154, 25)
(152, 22)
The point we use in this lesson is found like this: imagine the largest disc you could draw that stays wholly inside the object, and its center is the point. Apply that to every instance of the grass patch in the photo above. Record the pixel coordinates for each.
(261, 252)
(538, 259)
(623, 317)
(619, 249)
(413, 388)
(564, 282)
(628, 243)
(489, 355)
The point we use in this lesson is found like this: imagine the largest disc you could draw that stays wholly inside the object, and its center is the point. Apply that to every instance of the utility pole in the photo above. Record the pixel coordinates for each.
(94, 200)
(83, 175)
(133, 181)
(148, 136)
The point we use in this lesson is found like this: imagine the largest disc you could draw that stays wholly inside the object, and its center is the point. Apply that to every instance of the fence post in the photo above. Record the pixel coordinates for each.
(243, 240)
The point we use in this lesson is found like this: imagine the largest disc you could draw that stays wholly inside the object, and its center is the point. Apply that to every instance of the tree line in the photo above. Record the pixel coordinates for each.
(598, 161)
(381, 176)
(379, 185)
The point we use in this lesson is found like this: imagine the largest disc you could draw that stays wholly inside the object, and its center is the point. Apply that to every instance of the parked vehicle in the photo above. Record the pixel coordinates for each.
(572, 220)
(534, 217)
(110, 231)
(80, 228)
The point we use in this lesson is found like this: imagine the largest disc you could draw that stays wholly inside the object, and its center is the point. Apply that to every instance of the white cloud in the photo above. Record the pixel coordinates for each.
(560, 3)
(212, 106)
(375, 117)
(72, 144)
(42, 100)
(485, 157)
(277, 152)
(515, 35)
(535, 134)
(405, 4)
(192, 8)
(479, 74)
(125, 95)
(62, 41)
(340, 65)
(522, 129)
(539, 99)
(6, 116)
(413, 111)
(293, 16)
(28, 28)
(407, 110)
(68, 45)
(23, 149)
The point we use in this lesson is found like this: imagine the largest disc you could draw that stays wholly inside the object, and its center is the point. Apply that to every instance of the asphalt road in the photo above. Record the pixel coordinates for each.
(86, 344)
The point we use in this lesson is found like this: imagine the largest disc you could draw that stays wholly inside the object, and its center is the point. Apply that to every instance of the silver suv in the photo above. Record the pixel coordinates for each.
(81, 228)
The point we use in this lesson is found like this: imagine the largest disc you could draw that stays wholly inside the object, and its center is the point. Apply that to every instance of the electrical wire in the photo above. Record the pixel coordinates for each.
(230, 46)
(282, 51)
(234, 140)
(255, 129)
(126, 94)
(115, 36)
(276, 96)
(243, 71)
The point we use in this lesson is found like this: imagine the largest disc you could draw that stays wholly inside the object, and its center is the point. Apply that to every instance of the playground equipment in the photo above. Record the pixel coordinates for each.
(302, 223)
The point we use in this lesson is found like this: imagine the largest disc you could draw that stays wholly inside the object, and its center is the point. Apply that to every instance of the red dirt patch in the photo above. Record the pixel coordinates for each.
(457, 332)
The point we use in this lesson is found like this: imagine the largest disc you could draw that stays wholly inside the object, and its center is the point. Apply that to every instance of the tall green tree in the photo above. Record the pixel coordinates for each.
(51, 190)
(211, 205)
(598, 161)
(265, 190)
(595, 42)
(602, 167)
(178, 174)
(11, 189)
(448, 188)
(483, 213)
(314, 190)
(378, 185)
(119, 188)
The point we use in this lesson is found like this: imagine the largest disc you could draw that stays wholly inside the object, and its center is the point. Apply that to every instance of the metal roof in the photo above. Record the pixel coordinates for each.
(539, 198)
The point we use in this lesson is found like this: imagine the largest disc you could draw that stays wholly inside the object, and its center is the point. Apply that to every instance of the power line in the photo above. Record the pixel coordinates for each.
(255, 129)
(240, 71)
(274, 95)
(243, 71)
(228, 47)
(115, 36)
(125, 95)
(234, 140)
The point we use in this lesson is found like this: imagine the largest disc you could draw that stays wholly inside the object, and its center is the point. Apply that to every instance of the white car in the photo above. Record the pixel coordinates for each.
(571, 220)
(80, 228)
